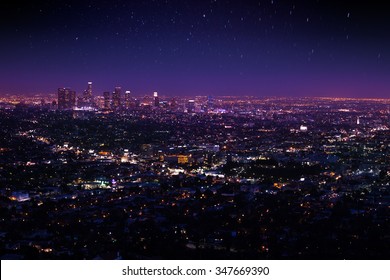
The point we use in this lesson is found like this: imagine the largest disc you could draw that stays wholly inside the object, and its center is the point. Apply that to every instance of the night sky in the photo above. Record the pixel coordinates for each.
(263, 48)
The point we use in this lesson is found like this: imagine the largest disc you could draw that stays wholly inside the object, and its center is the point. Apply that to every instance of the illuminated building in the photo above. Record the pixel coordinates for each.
(19, 196)
(182, 159)
(191, 106)
(179, 159)
(127, 99)
(116, 98)
(87, 96)
(66, 98)
(107, 102)
(156, 99)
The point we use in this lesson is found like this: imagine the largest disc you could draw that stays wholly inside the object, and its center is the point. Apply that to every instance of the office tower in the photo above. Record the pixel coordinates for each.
(127, 99)
(156, 99)
(116, 98)
(66, 98)
(191, 106)
(80, 101)
(61, 98)
(107, 101)
(87, 96)
(72, 99)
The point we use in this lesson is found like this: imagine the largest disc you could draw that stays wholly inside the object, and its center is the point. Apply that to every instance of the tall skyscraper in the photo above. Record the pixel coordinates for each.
(61, 98)
(107, 101)
(72, 99)
(66, 98)
(191, 106)
(156, 99)
(116, 98)
(87, 96)
(127, 99)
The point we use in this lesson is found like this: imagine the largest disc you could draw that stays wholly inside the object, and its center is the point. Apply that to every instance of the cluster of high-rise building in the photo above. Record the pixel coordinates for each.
(117, 101)
(66, 98)
(111, 100)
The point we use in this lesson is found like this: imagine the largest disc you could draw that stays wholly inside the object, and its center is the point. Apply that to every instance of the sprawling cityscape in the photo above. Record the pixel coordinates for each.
(194, 130)
(115, 176)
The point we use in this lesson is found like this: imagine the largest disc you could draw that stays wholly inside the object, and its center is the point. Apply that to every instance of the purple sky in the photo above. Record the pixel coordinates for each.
(264, 48)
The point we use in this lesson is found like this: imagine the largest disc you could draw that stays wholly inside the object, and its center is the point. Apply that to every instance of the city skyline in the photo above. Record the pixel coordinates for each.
(260, 48)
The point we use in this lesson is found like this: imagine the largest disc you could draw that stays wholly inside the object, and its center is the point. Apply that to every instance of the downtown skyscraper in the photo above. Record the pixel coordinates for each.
(87, 99)
(116, 98)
